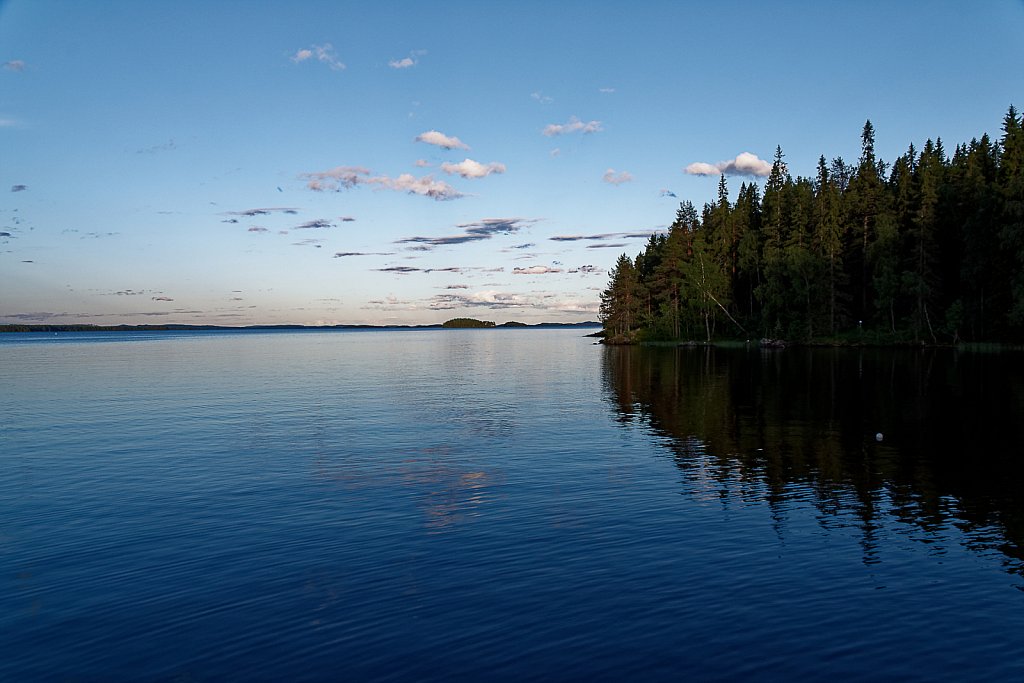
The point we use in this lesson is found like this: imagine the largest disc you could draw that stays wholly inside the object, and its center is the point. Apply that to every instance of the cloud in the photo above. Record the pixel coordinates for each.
(162, 298)
(666, 193)
(457, 287)
(256, 228)
(540, 97)
(426, 186)
(604, 236)
(346, 219)
(483, 229)
(528, 245)
(401, 270)
(309, 242)
(317, 224)
(606, 91)
(422, 163)
(612, 178)
(468, 168)
(535, 270)
(323, 53)
(433, 137)
(573, 126)
(336, 179)
(343, 254)
(165, 147)
(745, 164)
(587, 270)
(608, 245)
(402, 63)
(15, 65)
(347, 177)
(495, 299)
(6, 234)
(249, 213)
(19, 188)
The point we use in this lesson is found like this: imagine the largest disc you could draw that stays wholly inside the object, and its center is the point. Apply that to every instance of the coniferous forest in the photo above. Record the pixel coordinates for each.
(928, 248)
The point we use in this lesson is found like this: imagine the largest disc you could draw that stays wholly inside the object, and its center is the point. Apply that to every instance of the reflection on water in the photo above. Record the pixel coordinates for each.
(926, 444)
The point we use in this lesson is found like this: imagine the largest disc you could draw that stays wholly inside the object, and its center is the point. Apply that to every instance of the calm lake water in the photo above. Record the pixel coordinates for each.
(504, 504)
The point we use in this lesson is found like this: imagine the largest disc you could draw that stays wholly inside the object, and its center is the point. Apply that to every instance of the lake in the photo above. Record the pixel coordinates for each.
(505, 504)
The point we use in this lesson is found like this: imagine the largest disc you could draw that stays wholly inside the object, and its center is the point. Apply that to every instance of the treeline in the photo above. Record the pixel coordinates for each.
(928, 248)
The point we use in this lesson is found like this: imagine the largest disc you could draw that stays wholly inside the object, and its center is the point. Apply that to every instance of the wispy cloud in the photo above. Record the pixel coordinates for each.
(666, 193)
(604, 236)
(606, 91)
(422, 163)
(19, 188)
(309, 242)
(468, 168)
(587, 270)
(346, 219)
(15, 65)
(162, 298)
(337, 178)
(400, 270)
(403, 63)
(613, 178)
(257, 228)
(249, 213)
(536, 270)
(323, 53)
(541, 97)
(573, 126)
(347, 177)
(497, 300)
(345, 254)
(745, 164)
(319, 223)
(426, 186)
(483, 229)
(433, 137)
(165, 147)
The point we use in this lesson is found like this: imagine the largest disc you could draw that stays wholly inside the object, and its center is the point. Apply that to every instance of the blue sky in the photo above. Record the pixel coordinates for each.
(240, 163)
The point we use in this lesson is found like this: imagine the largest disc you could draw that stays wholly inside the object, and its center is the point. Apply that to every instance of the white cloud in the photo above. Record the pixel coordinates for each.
(745, 164)
(404, 63)
(335, 179)
(573, 126)
(616, 179)
(347, 177)
(425, 186)
(422, 163)
(433, 137)
(606, 91)
(541, 97)
(323, 53)
(535, 270)
(15, 65)
(472, 169)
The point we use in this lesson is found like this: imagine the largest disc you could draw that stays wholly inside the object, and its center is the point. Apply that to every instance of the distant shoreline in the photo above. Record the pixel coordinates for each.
(12, 328)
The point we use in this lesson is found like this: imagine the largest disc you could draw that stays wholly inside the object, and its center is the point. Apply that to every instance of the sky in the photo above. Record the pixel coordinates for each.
(240, 163)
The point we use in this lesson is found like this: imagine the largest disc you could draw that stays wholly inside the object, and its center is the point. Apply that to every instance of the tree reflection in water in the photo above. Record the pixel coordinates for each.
(795, 425)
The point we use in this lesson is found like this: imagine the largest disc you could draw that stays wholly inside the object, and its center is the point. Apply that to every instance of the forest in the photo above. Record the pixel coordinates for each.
(926, 249)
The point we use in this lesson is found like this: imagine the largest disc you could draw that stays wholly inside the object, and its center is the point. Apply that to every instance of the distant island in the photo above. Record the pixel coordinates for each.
(467, 322)
(455, 323)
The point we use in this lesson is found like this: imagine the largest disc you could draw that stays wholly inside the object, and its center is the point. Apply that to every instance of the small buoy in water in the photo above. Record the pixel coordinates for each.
(878, 436)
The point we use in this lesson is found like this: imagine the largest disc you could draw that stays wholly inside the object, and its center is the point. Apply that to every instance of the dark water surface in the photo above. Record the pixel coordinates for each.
(502, 504)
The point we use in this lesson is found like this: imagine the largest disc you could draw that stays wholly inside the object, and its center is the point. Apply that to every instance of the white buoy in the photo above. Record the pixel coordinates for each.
(878, 436)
